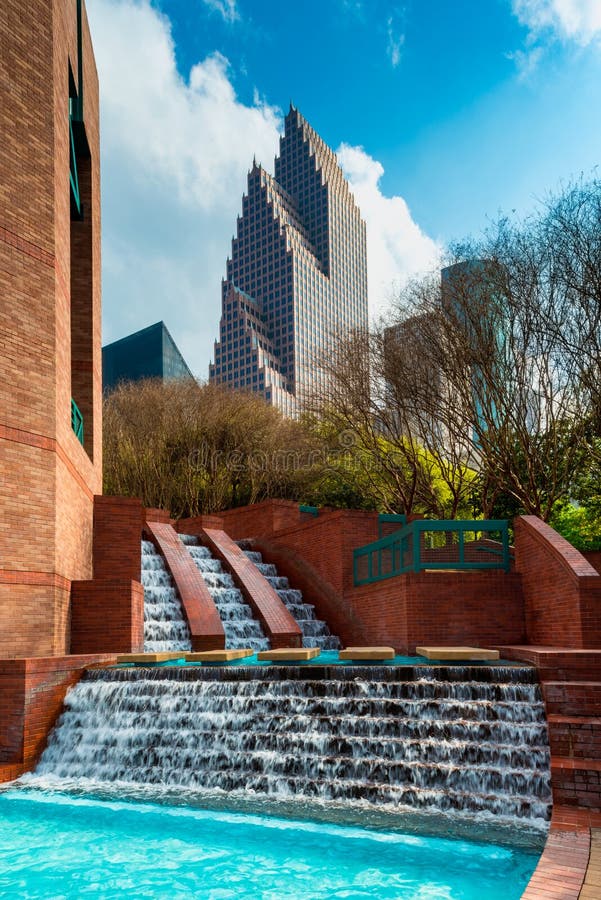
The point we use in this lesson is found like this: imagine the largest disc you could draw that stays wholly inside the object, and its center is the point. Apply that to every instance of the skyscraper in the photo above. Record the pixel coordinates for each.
(149, 353)
(297, 274)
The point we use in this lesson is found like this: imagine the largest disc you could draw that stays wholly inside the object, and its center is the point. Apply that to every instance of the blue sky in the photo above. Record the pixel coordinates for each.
(444, 113)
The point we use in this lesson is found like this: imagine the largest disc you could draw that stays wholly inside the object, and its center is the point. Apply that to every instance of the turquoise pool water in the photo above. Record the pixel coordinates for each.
(330, 658)
(57, 846)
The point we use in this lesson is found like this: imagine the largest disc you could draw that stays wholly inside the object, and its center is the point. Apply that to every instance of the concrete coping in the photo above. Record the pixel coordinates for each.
(471, 653)
(149, 657)
(294, 654)
(219, 655)
(367, 653)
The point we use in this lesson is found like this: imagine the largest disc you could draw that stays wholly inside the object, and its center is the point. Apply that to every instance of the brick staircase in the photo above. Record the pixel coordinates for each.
(574, 720)
(571, 686)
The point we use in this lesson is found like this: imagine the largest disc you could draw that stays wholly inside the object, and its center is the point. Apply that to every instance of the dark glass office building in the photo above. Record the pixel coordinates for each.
(297, 273)
(149, 353)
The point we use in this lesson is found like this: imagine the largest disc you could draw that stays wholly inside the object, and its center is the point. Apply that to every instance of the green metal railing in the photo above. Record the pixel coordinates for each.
(308, 510)
(76, 115)
(73, 176)
(427, 544)
(76, 421)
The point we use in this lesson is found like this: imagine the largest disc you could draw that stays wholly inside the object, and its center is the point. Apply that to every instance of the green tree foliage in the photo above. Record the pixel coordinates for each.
(195, 449)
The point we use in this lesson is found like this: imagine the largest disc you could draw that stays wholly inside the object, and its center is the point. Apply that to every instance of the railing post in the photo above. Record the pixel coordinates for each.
(506, 560)
(417, 542)
(461, 533)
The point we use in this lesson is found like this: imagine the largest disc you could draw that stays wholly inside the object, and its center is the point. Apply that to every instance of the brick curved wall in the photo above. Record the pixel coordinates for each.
(562, 590)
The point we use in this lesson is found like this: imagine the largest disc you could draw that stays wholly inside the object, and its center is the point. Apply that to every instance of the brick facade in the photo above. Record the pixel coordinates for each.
(196, 524)
(260, 518)
(49, 326)
(107, 616)
(107, 612)
(594, 558)
(31, 697)
(118, 523)
(428, 607)
(571, 686)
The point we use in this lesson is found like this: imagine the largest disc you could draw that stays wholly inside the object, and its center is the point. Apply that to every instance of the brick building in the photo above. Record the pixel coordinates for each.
(297, 275)
(50, 362)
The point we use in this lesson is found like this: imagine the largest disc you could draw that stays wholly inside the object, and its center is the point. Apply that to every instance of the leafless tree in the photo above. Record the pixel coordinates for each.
(196, 448)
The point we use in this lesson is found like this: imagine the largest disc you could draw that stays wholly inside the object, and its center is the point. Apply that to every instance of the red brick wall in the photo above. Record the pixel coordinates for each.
(571, 737)
(31, 697)
(326, 543)
(594, 557)
(468, 608)
(559, 665)
(581, 698)
(260, 518)
(48, 479)
(107, 616)
(204, 622)
(158, 515)
(303, 576)
(562, 591)
(196, 524)
(118, 523)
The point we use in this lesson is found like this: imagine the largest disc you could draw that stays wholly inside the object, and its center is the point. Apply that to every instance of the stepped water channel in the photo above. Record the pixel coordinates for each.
(466, 742)
(240, 626)
(165, 627)
(315, 632)
(412, 743)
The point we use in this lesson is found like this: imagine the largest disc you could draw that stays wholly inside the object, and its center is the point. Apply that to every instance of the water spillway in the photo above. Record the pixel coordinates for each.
(165, 627)
(315, 631)
(241, 628)
(466, 741)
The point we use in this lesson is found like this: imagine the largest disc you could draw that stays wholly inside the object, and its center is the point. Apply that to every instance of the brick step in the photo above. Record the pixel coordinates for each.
(575, 736)
(576, 782)
(557, 663)
(572, 698)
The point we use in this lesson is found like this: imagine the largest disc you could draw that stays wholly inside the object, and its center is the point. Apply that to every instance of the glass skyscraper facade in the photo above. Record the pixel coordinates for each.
(149, 353)
(297, 276)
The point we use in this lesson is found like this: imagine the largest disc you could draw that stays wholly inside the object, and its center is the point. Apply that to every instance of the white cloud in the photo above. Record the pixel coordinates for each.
(576, 20)
(395, 44)
(227, 8)
(396, 246)
(175, 155)
(526, 61)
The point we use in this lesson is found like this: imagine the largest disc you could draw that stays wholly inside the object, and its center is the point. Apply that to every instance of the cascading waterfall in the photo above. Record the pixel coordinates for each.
(165, 627)
(241, 628)
(467, 741)
(315, 632)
